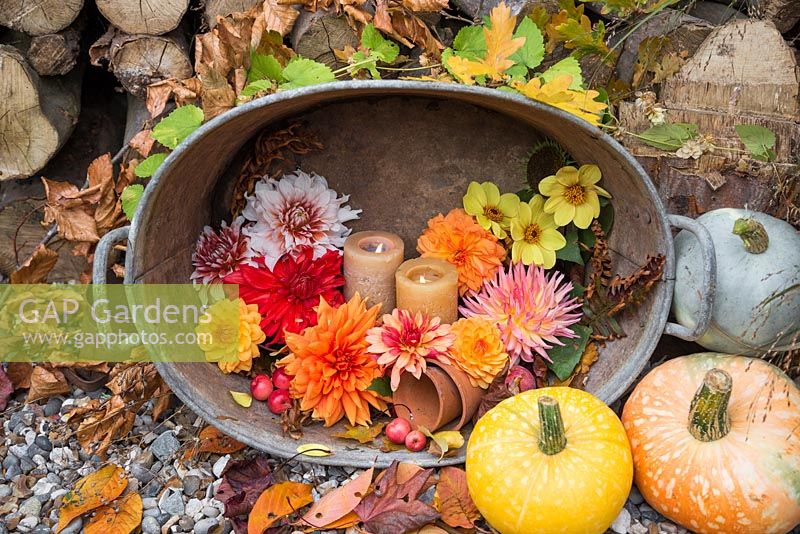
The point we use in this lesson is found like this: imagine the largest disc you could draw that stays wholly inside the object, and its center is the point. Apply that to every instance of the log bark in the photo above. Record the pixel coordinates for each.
(137, 17)
(39, 17)
(724, 84)
(37, 114)
(54, 54)
(477, 9)
(783, 13)
(222, 8)
(715, 13)
(316, 35)
(139, 60)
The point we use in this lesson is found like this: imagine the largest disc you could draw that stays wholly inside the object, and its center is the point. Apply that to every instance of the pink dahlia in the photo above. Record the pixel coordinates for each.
(530, 308)
(287, 295)
(218, 254)
(406, 340)
(299, 210)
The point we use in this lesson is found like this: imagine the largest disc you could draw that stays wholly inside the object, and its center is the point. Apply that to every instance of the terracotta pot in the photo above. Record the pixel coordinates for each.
(431, 401)
(443, 395)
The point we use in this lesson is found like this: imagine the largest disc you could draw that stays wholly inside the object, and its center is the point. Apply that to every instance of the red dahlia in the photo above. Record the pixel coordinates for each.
(287, 295)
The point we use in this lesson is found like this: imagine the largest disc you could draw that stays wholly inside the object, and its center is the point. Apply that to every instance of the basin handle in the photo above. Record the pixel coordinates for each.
(709, 285)
(103, 250)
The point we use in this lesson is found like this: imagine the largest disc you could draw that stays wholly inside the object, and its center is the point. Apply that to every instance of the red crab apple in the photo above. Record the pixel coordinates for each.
(261, 387)
(415, 441)
(279, 401)
(521, 377)
(280, 379)
(397, 430)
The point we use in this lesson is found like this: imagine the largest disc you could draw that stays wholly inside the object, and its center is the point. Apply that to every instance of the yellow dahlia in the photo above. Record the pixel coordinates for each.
(536, 237)
(573, 195)
(492, 210)
(478, 350)
(457, 238)
(231, 335)
(330, 366)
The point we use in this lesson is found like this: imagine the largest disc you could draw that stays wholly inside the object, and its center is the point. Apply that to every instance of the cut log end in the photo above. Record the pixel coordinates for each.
(54, 54)
(137, 17)
(36, 115)
(316, 35)
(222, 8)
(39, 17)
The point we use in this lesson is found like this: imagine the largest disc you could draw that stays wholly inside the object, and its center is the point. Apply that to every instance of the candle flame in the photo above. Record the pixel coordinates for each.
(422, 279)
(379, 248)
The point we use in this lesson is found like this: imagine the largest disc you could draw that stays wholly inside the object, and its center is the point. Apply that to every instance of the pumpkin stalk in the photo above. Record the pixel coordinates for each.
(753, 234)
(708, 414)
(552, 438)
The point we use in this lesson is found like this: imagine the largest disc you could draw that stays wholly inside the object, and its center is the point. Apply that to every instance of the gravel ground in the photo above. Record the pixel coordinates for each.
(40, 464)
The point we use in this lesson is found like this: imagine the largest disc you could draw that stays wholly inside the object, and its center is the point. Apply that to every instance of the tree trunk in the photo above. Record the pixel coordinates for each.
(54, 54)
(137, 17)
(222, 8)
(139, 60)
(316, 35)
(37, 114)
(39, 17)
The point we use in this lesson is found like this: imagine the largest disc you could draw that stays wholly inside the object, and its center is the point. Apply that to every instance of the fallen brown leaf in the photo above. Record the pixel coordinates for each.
(122, 516)
(142, 142)
(337, 504)
(36, 267)
(212, 440)
(452, 499)
(101, 175)
(361, 434)
(277, 16)
(425, 6)
(20, 374)
(242, 482)
(6, 389)
(92, 491)
(72, 210)
(46, 381)
(277, 502)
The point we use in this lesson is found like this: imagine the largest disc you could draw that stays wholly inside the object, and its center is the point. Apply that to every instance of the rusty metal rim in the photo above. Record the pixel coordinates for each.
(611, 391)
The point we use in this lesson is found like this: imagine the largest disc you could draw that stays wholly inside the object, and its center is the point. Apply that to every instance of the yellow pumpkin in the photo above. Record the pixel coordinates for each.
(716, 444)
(549, 460)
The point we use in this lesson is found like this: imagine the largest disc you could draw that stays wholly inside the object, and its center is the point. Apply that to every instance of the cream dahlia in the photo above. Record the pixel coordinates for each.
(296, 211)
(406, 340)
(219, 254)
(532, 310)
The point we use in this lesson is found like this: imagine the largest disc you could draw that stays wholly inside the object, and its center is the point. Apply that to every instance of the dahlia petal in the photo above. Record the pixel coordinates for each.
(583, 216)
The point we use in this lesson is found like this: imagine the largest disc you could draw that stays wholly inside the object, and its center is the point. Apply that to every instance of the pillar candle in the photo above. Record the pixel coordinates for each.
(429, 285)
(370, 261)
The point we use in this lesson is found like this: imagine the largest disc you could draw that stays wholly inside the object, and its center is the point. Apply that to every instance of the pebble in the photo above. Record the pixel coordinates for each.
(141, 473)
(5, 491)
(190, 485)
(43, 443)
(622, 523)
(165, 446)
(27, 524)
(20, 450)
(149, 502)
(171, 502)
(62, 456)
(150, 525)
(210, 511)
(43, 487)
(13, 471)
(193, 507)
(152, 512)
(74, 526)
(186, 523)
(53, 407)
(204, 526)
(219, 465)
(42, 529)
(635, 496)
(10, 460)
(30, 507)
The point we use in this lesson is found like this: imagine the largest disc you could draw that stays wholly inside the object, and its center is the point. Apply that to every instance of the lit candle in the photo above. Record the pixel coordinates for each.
(370, 261)
(429, 285)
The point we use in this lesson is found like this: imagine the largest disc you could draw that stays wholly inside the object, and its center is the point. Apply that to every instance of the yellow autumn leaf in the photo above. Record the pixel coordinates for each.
(92, 491)
(242, 399)
(444, 441)
(558, 94)
(500, 44)
(122, 516)
(314, 449)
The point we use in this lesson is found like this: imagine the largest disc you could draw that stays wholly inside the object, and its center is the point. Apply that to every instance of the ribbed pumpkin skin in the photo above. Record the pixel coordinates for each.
(520, 490)
(745, 482)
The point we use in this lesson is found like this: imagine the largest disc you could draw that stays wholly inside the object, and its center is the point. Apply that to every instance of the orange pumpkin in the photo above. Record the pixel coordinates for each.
(716, 444)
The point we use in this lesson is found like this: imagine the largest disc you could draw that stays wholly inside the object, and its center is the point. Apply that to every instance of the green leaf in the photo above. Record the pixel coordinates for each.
(178, 125)
(759, 140)
(362, 61)
(668, 136)
(568, 65)
(148, 166)
(470, 43)
(264, 67)
(383, 48)
(571, 251)
(566, 357)
(130, 199)
(381, 386)
(525, 195)
(301, 72)
(257, 87)
(532, 52)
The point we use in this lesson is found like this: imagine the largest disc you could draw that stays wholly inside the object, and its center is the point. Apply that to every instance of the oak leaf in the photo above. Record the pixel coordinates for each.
(277, 502)
(47, 381)
(337, 504)
(122, 516)
(557, 93)
(92, 491)
(213, 440)
(36, 267)
(362, 434)
(452, 499)
(393, 506)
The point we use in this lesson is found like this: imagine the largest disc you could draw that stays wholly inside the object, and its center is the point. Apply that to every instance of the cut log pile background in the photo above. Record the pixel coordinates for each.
(74, 80)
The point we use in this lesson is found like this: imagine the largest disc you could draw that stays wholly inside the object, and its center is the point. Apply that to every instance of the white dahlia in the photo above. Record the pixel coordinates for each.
(296, 211)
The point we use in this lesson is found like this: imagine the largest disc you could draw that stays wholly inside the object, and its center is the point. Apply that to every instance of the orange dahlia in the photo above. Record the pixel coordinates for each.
(457, 238)
(330, 366)
(478, 350)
